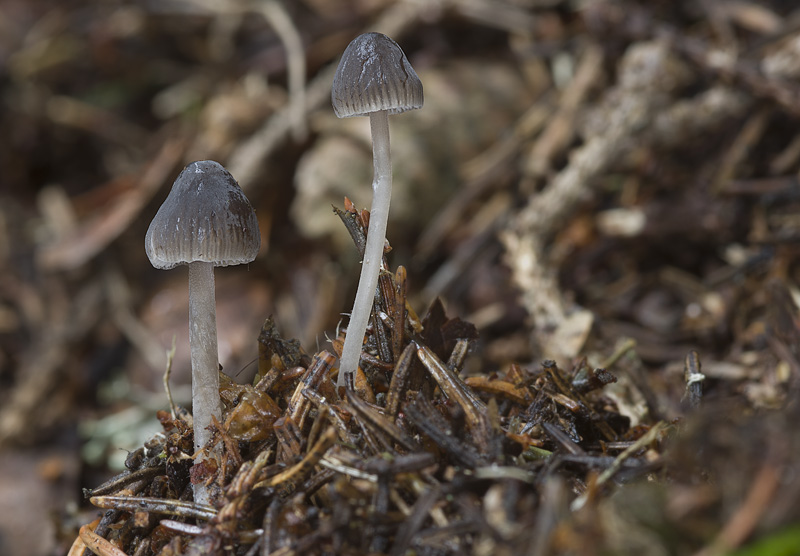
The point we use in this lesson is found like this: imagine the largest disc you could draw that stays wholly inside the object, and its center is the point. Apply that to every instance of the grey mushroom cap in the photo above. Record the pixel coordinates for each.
(205, 217)
(374, 74)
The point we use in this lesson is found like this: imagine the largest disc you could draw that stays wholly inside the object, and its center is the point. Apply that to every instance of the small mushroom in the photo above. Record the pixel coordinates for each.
(206, 221)
(374, 78)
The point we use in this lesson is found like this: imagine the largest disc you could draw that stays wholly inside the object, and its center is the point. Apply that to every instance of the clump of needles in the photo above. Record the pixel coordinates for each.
(398, 460)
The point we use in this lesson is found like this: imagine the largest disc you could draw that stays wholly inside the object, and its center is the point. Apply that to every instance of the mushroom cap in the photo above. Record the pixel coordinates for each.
(374, 74)
(205, 217)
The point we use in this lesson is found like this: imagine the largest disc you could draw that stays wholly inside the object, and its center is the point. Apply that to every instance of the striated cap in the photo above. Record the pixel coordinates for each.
(206, 217)
(374, 74)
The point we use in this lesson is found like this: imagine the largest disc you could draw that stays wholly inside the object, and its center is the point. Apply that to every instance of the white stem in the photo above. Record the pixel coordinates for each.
(373, 252)
(205, 360)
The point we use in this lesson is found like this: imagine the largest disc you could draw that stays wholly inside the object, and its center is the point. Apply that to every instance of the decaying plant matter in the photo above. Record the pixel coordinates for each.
(619, 178)
(397, 460)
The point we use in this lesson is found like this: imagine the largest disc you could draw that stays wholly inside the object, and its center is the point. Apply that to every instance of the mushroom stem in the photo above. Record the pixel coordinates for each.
(205, 362)
(373, 252)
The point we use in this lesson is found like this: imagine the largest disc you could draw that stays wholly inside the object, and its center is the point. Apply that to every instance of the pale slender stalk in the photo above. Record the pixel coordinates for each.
(373, 252)
(205, 360)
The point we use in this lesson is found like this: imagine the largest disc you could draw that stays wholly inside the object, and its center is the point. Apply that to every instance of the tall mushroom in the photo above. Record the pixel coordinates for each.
(206, 221)
(374, 78)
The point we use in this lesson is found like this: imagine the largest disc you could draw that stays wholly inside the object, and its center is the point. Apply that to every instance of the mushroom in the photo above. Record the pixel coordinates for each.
(374, 78)
(206, 221)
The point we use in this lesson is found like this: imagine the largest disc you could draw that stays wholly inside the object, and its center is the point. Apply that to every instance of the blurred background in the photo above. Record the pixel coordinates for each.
(662, 134)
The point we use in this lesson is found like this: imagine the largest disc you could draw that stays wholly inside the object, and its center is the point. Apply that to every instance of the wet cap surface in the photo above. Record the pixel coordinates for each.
(374, 74)
(206, 217)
